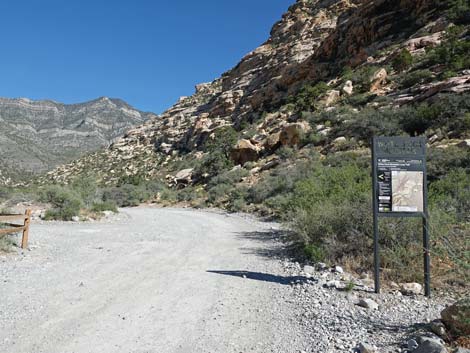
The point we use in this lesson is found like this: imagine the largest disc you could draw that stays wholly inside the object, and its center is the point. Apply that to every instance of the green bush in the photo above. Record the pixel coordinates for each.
(416, 77)
(314, 253)
(104, 206)
(127, 195)
(229, 177)
(86, 188)
(441, 161)
(307, 98)
(402, 60)
(453, 52)
(451, 194)
(459, 11)
(66, 203)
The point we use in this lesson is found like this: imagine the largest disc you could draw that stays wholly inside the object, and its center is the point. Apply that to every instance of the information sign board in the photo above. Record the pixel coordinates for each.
(400, 188)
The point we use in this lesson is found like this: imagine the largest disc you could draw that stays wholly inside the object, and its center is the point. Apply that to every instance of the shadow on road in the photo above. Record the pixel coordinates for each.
(259, 276)
(273, 244)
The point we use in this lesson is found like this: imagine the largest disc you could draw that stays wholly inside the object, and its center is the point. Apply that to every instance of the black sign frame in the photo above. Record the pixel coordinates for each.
(398, 153)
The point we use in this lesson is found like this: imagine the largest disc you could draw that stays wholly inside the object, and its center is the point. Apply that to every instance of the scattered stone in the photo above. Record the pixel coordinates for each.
(339, 269)
(184, 176)
(430, 346)
(244, 151)
(461, 350)
(365, 348)
(411, 288)
(321, 266)
(378, 79)
(412, 344)
(368, 304)
(331, 97)
(348, 87)
(438, 328)
(291, 134)
(75, 219)
(456, 317)
(339, 140)
(309, 269)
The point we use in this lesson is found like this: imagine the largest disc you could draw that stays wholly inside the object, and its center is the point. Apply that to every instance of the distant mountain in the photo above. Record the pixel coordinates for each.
(36, 136)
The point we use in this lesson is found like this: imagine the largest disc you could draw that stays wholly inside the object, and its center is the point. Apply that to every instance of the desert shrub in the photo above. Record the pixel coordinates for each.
(441, 161)
(361, 77)
(66, 203)
(229, 177)
(218, 192)
(451, 194)
(416, 77)
(222, 141)
(86, 188)
(126, 195)
(286, 153)
(104, 206)
(280, 181)
(314, 253)
(307, 97)
(402, 61)
(6, 243)
(212, 164)
(189, 193)
(415, 121)
(459, 11)
(360, 99)
(131, 180)
(367, 123)
(453, 52)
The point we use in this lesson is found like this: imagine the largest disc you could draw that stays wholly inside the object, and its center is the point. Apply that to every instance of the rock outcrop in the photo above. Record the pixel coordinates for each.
(314, 41)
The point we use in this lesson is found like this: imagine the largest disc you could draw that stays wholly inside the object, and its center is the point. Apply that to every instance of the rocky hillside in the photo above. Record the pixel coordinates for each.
(36, 136)
(322, 57)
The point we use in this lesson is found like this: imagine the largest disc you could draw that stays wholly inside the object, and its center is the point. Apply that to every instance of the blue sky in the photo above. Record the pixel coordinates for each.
(146, 52)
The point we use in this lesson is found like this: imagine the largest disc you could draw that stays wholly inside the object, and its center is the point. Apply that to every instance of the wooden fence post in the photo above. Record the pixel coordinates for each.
(27, 220)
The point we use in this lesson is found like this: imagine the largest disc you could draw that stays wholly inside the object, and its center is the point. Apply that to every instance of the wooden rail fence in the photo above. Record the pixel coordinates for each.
(16, 228)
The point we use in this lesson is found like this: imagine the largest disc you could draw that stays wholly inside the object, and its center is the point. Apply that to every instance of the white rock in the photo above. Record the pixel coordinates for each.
(309, 270)
(365, 348)
(368, 304)
(348, 87)
(76, 219)
(339, 269)
(411, 288)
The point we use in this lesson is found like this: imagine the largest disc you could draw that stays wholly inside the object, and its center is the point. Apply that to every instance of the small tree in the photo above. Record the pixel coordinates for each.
(402, 61)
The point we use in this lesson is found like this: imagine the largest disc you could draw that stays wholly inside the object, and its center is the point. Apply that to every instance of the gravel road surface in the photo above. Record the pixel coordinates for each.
(152, 280)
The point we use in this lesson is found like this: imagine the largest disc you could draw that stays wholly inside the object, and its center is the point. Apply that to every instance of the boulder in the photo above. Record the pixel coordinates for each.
(331, 97)
(368, 304)
(184, 176)
(309, 269)
(244, 151)
(411, 288)
(273, 141)
(348, 88)
(456, 317)
(461, 350)
(378, 79)
(430, 346)
(291, 134)
(365, 348)
(438, 328)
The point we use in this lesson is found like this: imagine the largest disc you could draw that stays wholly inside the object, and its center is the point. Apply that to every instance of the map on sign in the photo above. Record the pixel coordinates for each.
(407, 191)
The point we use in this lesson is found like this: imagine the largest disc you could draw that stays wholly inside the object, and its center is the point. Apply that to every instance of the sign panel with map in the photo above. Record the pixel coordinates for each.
(400, 170)
(399, 190)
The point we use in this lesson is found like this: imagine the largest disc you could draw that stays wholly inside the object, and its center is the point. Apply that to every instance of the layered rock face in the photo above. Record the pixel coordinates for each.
(36, 136)
(313, 41)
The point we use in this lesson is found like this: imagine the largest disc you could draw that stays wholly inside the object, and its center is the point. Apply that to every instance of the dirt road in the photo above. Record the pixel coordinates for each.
(155, 280)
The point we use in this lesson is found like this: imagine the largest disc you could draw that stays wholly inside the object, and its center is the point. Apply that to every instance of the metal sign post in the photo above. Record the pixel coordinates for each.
(400, 190)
